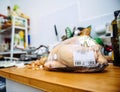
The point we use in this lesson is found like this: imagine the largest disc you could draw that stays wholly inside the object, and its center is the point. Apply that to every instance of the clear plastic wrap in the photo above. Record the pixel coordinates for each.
(77, 54)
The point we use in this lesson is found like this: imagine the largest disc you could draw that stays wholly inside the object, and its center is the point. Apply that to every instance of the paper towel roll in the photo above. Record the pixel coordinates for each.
(100, 29)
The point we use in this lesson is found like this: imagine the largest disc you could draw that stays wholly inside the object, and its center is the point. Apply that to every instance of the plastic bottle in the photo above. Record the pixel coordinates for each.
(22, 40)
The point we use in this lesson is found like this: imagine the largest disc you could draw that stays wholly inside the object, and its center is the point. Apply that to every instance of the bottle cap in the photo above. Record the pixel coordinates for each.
(116, 13)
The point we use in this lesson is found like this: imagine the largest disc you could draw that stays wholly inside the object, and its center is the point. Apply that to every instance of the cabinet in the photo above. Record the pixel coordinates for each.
(14, 36)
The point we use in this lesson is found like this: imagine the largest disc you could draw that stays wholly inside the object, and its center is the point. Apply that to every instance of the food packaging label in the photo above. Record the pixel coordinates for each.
(84, 58)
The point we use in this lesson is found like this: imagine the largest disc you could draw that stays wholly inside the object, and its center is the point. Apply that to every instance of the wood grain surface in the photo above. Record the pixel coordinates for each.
(49, 81)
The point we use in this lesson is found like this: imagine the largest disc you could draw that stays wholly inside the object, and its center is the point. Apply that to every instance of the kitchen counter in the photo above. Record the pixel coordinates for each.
(107, 81)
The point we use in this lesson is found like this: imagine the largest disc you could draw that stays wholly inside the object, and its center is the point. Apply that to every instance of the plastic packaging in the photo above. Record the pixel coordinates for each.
(77, 54)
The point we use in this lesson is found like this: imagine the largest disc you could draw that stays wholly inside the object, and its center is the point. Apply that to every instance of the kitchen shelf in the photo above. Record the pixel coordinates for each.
(17, 25)
(5, 30)
(15, 52)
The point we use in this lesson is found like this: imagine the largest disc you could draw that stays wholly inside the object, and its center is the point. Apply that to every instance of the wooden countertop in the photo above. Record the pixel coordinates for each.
(107, 81)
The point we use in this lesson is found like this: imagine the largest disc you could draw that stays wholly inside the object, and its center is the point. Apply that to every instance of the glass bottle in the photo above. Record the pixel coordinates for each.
(118, 25)
(115, 40)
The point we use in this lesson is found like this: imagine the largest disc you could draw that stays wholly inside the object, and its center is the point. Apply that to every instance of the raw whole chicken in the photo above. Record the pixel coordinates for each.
(78, 54)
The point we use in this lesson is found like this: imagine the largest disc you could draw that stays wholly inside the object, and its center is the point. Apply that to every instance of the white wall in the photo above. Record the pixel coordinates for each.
(95, 9)
(45, 13)
(3, 6)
